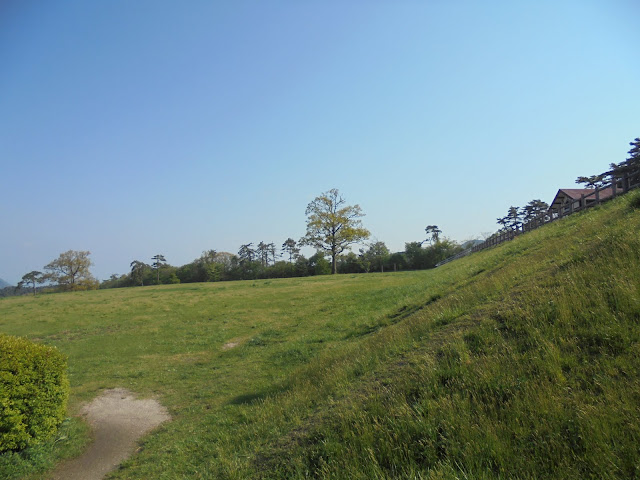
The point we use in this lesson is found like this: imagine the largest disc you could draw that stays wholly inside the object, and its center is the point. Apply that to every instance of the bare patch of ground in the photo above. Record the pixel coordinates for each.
(229, 345)
(118, 421)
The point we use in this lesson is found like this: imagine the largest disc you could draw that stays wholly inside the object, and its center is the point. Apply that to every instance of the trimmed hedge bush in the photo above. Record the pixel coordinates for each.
(33, 392)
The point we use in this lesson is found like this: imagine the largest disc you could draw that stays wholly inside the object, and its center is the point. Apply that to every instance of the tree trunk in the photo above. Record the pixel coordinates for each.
(334, 270)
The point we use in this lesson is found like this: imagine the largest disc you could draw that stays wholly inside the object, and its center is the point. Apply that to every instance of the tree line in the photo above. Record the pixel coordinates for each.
(333, 228)
(69, 272)
(254, 262)
(617, 171)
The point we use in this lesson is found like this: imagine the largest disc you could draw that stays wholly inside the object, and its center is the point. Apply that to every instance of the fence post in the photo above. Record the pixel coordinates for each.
(625, 183)
(597, 195)
(582, 204)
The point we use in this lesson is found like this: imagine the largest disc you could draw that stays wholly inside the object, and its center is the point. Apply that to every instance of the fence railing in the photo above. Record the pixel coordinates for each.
(617, 186)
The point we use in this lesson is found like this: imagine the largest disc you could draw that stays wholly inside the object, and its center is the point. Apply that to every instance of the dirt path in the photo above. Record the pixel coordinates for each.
(118, 420)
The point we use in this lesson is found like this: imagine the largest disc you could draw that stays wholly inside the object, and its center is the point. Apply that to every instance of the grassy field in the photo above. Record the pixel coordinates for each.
(518, 362)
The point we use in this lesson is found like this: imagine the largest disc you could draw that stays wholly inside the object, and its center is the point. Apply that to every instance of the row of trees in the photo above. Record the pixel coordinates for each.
(333, 227)
(517, 217)
(629, 167)
(68, 272)
(214, 266)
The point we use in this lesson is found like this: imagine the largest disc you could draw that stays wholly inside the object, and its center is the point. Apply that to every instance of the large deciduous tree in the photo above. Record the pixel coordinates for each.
(71, 271)
(332, 225)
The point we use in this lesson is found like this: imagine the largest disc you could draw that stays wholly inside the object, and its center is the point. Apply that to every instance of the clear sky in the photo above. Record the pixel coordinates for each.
(135, 128)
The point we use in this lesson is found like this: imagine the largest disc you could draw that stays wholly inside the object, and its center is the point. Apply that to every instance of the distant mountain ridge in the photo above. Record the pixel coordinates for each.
(4, 284)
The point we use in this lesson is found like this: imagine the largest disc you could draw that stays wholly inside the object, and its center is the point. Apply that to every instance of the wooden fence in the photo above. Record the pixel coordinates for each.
(617, 187)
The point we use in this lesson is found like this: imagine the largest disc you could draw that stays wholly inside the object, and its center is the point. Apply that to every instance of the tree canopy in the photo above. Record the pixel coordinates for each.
(158, 262)
(32, 279)
(71, 271)
(433, 233)
(592, 181)
(290, 247)
(332, 225)
(375, 256)
(138, 269)
(533, 209)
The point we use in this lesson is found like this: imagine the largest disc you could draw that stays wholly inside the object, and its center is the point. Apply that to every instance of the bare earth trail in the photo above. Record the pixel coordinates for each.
(118, 420)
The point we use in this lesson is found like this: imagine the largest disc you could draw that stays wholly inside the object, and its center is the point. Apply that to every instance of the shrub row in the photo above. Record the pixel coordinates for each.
(33, 392)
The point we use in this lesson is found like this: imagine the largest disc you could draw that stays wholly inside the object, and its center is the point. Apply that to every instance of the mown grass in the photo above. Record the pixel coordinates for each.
(207, 351)
(518, 362)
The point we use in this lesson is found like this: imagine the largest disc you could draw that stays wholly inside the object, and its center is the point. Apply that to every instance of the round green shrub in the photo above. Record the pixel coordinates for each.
(33, 392)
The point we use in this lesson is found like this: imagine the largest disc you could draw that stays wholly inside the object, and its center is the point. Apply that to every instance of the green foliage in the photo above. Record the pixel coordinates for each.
(332, 226)
(117, 281)
(70, 271)
(375, 257)
(351, 263)
(319, 265)
(280, 269)
(433, 233)
(512, 221)
(419, 257)
(158, 263)
(631, 165)
(592, 181)
(398, 261)
(69, 441)
(138, 271)
(33, 392)
(32, 279)
(290, 248)
(534, 209)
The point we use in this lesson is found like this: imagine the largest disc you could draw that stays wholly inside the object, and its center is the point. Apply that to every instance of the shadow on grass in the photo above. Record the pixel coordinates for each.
(391, 319)
(256, 397)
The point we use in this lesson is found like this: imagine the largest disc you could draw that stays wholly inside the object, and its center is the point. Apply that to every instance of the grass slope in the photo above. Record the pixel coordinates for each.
(518, 362)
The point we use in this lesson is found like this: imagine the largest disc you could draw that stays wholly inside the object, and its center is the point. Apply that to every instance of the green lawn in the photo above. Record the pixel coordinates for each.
(522, 361)
(207, 351)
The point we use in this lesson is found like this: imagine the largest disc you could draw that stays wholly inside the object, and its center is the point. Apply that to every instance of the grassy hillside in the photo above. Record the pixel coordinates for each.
(518, 362)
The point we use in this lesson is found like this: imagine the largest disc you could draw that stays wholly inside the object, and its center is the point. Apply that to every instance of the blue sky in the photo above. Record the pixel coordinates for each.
(135, 128)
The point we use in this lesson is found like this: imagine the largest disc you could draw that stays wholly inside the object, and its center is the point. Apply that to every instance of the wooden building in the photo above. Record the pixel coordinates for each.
(569, 200)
